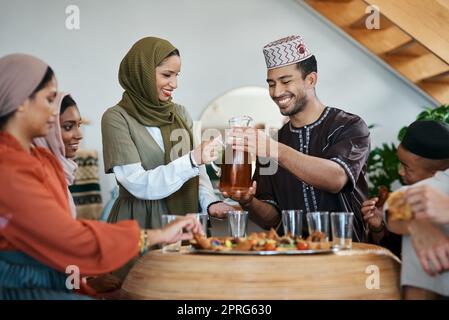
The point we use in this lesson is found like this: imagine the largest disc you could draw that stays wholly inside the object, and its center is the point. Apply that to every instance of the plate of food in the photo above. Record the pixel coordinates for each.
(262, 243)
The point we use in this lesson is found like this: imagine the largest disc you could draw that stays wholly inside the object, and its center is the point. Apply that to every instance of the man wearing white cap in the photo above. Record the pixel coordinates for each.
(322, 151)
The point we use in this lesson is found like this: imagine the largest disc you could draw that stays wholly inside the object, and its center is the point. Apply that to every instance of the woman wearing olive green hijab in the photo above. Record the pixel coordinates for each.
(154, 174)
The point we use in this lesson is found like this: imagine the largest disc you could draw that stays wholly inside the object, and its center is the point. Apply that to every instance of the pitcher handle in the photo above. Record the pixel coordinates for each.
(216, 168)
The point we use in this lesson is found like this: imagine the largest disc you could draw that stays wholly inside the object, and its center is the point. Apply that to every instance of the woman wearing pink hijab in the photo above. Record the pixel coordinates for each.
(64, 137)
(39, 239)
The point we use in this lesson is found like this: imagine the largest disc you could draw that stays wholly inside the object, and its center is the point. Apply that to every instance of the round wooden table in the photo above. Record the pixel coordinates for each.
(365, 272)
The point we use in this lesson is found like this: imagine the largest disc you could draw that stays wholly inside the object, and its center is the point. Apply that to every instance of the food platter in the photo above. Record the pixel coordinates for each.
(263, 253)
(262, 244)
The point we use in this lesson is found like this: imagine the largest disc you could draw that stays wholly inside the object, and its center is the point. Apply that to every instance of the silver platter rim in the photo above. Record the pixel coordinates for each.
(264, 253)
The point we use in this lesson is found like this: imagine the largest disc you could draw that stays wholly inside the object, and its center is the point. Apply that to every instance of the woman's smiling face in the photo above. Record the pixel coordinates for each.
(70, 122)
(167, 77)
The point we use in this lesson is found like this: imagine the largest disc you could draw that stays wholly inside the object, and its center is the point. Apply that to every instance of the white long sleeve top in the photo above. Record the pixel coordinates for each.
(164, 180)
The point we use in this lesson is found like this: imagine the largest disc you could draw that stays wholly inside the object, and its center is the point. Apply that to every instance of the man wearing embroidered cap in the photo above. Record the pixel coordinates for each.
(322, 151)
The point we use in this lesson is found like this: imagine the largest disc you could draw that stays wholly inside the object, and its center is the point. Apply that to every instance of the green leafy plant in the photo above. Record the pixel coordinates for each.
(383, 167)
(383, 163)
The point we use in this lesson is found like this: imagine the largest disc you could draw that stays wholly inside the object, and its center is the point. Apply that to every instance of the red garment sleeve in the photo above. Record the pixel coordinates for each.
(34, 222)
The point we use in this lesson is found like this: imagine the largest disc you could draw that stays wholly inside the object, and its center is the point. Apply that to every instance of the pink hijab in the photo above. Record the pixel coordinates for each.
(53, 141)
(20, 74)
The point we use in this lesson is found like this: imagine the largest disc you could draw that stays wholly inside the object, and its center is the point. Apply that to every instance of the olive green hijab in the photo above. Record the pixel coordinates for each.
(137, 76)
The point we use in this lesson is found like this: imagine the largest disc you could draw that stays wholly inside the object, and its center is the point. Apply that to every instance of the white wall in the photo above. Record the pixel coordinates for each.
(220, 43)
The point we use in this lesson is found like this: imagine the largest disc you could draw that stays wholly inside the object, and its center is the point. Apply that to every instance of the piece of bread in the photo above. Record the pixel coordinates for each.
(398, 209)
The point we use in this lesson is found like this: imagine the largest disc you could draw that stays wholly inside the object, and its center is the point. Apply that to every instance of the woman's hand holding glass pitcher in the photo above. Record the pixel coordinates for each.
(206, 152)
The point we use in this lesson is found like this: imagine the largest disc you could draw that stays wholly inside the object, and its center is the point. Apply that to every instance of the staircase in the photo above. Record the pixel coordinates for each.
(412, 37)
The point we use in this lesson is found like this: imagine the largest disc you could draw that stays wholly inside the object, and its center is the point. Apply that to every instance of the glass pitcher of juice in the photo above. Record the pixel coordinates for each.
(236, 167)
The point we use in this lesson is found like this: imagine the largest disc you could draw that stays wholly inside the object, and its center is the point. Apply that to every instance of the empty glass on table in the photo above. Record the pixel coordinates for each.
(342, 223)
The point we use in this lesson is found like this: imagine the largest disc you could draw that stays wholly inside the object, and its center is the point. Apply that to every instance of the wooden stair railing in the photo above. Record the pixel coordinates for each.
(413, 37)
